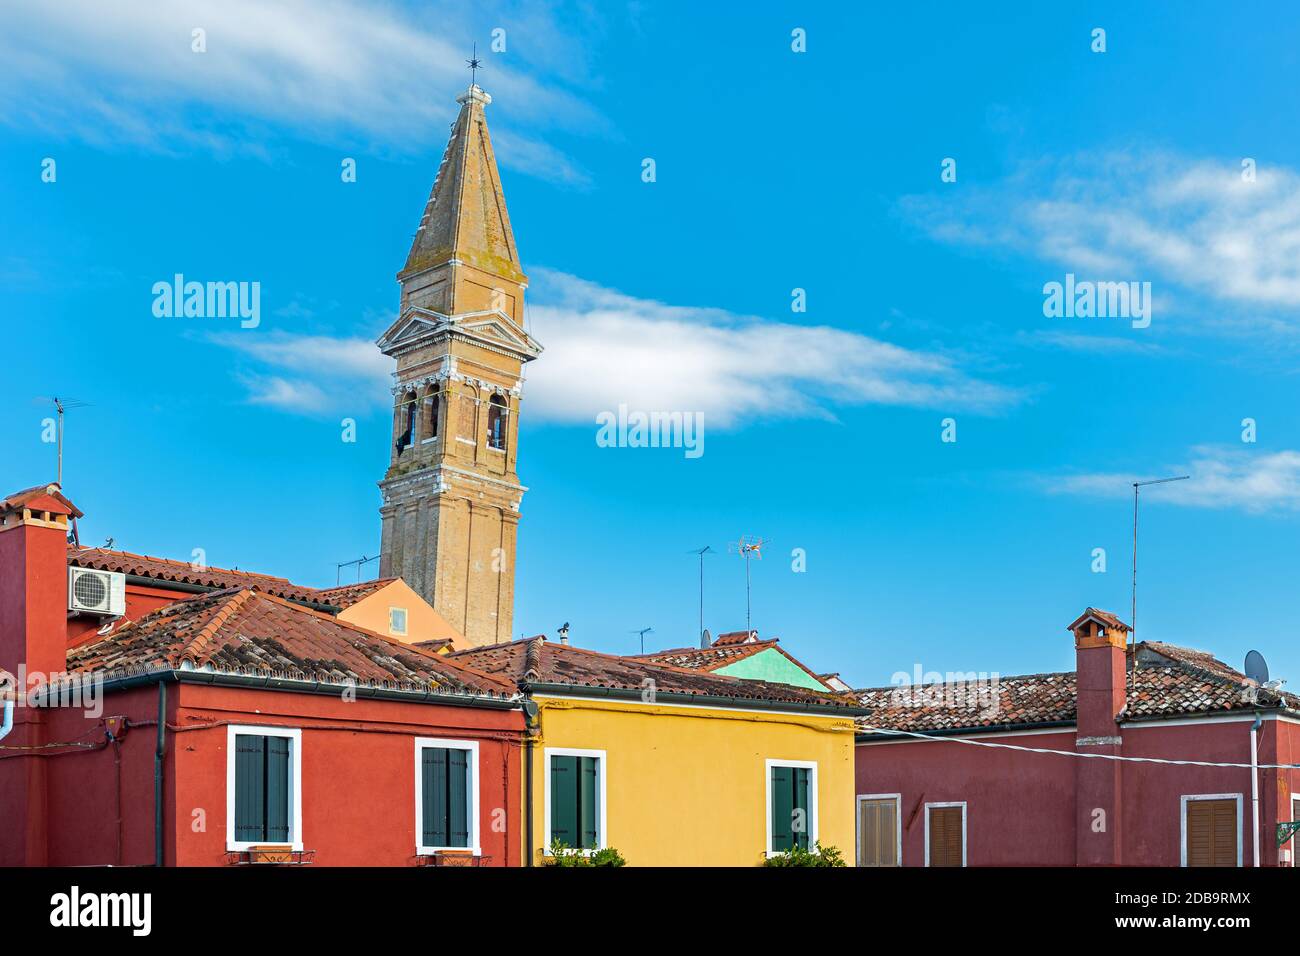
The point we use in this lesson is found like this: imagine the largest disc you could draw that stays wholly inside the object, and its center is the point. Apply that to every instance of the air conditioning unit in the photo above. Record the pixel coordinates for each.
(96, 592)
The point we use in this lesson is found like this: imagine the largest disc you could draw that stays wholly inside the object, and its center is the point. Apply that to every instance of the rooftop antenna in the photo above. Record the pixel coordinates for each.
(61, 405)
(643, 632)
(1133, 609)
(748, 546)
(707, 549)
(359, 562)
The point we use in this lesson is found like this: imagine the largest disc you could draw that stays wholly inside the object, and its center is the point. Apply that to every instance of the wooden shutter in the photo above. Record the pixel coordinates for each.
(564, 800)
(277, 789)
(878, 832)
(946, 836)
(1211, 832)
(801, 809)
(458, 809)
(250, 788)
(434, 786)
(782, 809)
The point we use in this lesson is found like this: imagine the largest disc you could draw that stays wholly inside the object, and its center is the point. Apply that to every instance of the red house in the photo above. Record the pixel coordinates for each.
(217, 717)
(1023, 771)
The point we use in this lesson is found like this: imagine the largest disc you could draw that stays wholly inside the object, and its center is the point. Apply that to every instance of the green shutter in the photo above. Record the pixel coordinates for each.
(434, 768)
(277, 789)
(804, 821)
(458, 797)
(782, 808)
(250, 787)
(588, 805)
(564, 800)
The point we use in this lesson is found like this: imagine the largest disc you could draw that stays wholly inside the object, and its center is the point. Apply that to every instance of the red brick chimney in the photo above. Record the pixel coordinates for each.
(33, 640)
(1100, 642)
(34, 580)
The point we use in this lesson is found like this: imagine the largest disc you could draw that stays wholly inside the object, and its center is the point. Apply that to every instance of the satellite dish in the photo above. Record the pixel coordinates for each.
(1257, 668)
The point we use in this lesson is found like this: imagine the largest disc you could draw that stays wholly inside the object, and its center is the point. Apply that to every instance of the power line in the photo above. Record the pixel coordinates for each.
(1072, 753)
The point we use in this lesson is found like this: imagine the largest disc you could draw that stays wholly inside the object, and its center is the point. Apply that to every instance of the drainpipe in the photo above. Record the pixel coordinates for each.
(530, 723)
(159, 752)
(1254, 781)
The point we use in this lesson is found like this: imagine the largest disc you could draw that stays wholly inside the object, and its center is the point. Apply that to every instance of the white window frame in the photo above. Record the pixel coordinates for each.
(294, 736)
(1182, 821)
(898, 823)
(953, 803)
(813, 812)
(406, 621)
(602, 769)
(472, 808)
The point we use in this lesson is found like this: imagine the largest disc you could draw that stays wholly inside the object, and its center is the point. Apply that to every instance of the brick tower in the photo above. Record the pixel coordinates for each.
(451, 494)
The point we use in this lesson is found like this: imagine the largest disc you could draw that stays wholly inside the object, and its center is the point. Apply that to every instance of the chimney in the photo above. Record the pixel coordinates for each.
(34, 580)
(564, 633)
(1100, 642)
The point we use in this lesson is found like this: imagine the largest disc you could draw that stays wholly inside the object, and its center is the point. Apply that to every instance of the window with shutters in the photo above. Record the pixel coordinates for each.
(945, 834)
(1212, 829)
(263, 787)
(791, 805)
(879, 839)
(575, 798)
(446, 795)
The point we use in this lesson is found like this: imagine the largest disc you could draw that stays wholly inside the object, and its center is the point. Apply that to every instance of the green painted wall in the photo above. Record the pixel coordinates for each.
(771, 665)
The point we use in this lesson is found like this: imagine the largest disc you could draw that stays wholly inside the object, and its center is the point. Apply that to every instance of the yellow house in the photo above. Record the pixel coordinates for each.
(391, 607)
(674, 767)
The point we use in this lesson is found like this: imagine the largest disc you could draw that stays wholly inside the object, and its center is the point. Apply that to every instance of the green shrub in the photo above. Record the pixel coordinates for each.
(799, 856)
(565, 855)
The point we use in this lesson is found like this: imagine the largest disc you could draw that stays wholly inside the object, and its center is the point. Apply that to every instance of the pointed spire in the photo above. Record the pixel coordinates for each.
(465, 218)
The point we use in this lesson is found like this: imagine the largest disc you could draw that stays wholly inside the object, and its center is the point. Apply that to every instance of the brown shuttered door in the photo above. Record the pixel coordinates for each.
(1211, 832)
(877, 833)
(945, 836)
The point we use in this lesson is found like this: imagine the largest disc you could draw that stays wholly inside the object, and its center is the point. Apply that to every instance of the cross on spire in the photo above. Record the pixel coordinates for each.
(474, 64)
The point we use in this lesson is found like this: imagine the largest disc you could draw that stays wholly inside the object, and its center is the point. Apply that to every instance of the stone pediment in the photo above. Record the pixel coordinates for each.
(417, 326)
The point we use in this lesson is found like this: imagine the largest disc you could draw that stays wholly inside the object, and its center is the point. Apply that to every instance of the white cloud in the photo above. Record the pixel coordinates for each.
(604, 348)
(322, 68)
(1149, 217)
(1254, 481)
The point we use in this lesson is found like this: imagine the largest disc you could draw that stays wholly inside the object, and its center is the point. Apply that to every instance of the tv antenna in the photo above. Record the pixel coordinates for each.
(707, 549)
(749, 546)
(643, 632)
(61, 405)
(359, 562)
(1133, 609)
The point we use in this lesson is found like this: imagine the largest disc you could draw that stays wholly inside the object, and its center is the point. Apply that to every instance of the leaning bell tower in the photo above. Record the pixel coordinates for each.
(451, 493)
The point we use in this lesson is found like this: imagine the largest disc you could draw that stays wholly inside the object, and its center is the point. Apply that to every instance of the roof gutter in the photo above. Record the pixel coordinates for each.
(218, 679)
(703, 700)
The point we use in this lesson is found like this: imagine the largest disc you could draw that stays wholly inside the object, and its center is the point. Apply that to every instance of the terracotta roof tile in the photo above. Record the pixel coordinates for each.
(180, 572)
(537, 660)
(349, 594)
(244, 631)
(1168, 681)
(28, 496)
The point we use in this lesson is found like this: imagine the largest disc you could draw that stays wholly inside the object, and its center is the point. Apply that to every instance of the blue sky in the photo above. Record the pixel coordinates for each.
(775, 170)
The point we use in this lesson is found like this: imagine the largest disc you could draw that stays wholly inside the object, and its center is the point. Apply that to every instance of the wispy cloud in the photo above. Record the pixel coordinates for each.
(1253, 481)
(324, 69)
(604, 348)
(1195, 223)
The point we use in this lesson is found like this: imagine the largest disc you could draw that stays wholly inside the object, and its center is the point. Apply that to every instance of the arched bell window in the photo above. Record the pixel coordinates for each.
(429, 424)
(406, 416)
(497, 423)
